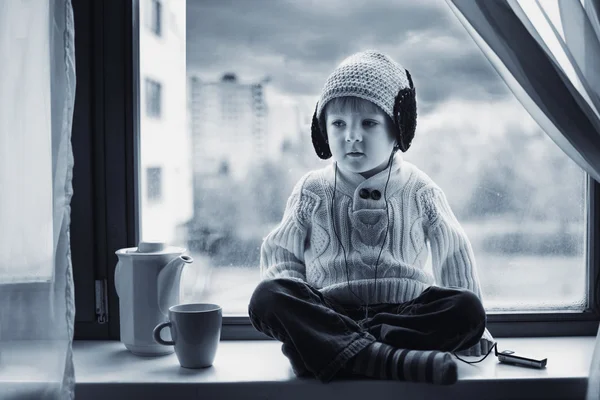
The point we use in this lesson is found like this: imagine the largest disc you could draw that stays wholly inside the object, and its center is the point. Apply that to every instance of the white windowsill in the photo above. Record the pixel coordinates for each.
(258, 370)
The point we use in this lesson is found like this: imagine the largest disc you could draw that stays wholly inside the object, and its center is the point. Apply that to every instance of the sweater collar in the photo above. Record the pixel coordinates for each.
(350, 182)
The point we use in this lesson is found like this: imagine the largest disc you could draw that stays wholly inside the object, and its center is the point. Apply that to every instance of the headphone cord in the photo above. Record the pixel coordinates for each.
(384, 239)
(386, 230)
(478, 361)
(336, 235)
(380, 251)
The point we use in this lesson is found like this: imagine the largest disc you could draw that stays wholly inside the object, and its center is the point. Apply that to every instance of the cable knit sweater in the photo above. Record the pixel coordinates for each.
(304, 246)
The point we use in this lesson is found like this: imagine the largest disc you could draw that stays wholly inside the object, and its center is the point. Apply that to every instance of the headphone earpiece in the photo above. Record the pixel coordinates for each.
(319, 138)
(405, 114)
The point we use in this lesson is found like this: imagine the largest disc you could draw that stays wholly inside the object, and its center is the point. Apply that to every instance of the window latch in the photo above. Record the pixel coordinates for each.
(101, 301)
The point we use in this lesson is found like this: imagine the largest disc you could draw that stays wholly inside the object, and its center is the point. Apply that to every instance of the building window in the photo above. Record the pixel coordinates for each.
(154, 17)
(153, 98)
(154, 184)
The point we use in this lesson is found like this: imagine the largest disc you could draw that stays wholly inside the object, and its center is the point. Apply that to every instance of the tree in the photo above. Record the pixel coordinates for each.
(530, 177)
(267, 190)
(560, 186)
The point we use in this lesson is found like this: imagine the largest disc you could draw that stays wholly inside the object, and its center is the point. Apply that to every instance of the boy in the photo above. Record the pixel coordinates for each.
(325, 294)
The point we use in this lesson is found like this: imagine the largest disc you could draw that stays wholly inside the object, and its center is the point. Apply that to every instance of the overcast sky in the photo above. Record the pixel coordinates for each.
(299, 42)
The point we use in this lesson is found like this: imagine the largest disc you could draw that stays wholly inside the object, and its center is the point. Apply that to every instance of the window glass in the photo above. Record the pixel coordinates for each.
(164, 138)
(253, 73)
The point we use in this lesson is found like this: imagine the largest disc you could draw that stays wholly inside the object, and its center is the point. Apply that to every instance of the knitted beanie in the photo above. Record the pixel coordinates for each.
(373, 76)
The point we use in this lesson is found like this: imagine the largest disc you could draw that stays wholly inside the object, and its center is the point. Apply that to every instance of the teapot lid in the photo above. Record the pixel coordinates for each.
(152, 248)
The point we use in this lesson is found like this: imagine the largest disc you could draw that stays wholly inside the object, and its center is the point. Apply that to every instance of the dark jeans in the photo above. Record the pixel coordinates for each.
(319, 336)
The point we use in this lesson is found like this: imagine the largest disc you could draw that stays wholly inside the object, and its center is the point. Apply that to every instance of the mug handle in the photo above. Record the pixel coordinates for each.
(156, 334)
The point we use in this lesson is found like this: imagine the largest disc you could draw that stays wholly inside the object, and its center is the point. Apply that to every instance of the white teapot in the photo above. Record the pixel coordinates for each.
(147, 281)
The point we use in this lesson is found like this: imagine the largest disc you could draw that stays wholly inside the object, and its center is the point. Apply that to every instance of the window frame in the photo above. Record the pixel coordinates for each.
(116, 211)
(105, 145)
(85, 234)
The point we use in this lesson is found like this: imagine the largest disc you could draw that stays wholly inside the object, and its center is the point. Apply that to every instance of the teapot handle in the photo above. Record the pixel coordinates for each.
(118, 278)
(169, 283)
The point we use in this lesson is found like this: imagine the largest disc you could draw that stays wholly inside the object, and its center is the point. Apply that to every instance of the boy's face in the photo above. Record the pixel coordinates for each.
(360, 141)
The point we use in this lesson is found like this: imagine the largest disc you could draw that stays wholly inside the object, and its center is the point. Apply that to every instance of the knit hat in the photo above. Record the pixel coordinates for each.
(373, 76)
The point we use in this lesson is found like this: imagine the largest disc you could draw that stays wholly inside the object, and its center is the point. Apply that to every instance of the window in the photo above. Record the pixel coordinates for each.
(250, 98)
(154, 16)
(154, 184)
(153, 98)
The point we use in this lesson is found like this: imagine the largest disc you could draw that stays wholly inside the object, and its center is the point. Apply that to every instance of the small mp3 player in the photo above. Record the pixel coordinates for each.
(509, 357)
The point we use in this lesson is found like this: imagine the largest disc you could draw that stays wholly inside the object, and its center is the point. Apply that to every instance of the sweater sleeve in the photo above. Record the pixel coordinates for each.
(453, 260)
(282, 251)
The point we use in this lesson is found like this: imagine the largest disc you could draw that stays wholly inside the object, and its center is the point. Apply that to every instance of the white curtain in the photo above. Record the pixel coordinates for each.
(548, 53)
(37, 92)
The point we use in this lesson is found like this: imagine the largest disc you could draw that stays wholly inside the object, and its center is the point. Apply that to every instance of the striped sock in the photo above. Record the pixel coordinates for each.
(382, 361)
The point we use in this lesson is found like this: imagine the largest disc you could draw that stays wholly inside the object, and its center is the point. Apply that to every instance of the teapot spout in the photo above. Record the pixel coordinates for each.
(169, 280)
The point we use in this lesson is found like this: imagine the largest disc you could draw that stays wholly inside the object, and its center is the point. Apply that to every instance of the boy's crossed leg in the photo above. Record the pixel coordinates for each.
(315, 334)
(382, 361)
(429, 323)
